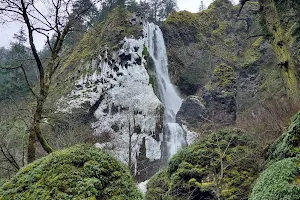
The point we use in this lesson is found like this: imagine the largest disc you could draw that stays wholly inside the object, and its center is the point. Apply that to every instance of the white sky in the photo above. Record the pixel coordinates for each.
(192, 5)
(7, 31)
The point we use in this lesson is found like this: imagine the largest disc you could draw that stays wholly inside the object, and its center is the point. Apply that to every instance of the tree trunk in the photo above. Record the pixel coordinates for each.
(36, 131)
(31, 147)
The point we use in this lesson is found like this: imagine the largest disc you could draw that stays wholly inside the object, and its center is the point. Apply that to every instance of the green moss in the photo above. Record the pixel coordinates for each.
(184, 18)
(221, 30)
(280, 26)
(225, 76)
(105, 35)
(253, 54)
(288, 145)
(278, 181)
(197, 170)
(158, 186)
(80, 172)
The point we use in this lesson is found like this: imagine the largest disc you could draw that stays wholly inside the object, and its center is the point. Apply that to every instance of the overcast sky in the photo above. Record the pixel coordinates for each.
(7, 31)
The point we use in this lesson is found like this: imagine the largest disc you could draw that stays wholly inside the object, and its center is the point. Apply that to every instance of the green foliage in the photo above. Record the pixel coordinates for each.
(107, 34)
(158, 186)
(14, 119)
(225, 77)
(2, 181)
(281, 178)
(12, 82)
(183, 18)
(288, 145)
(79, 172)
(221, 165)
(280, 181)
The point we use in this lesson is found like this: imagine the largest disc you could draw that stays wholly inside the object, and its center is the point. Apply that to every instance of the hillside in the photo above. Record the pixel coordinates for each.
(193, 106)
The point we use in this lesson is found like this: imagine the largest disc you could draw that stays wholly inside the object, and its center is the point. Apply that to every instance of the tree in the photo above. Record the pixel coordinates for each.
(145, 9)
(58, 20)
(202, 6)
(86, 20)
(160, 9)
(132, 6)
(169, 6)
(11, 84)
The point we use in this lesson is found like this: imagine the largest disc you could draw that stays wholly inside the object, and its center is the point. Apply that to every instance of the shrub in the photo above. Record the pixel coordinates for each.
(281, 178)
(222, 165)
(79, 172)
(279, 181)
(288, 145)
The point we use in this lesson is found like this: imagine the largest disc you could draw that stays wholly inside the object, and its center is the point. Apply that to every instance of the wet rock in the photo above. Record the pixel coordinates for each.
(192, 112)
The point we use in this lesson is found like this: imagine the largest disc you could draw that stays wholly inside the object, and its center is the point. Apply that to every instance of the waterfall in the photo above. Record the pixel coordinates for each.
(174, 134)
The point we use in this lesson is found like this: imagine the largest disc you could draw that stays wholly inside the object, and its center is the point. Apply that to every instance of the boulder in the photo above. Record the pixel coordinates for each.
(219, 96)
(192, 112)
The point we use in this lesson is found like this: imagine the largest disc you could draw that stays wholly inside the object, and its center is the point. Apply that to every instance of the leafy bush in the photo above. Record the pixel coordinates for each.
(223, 165)
(280, 181)
(281, 178)
(80, 172)
(288, 145)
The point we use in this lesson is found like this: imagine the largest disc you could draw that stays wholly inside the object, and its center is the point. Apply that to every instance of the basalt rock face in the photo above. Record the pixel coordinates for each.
(114, 92)
(198, 43)
(192, 112)
(219, 96)
(217, 107)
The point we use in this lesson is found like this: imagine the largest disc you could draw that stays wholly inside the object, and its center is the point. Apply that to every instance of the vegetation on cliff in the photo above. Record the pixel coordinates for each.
(222, 165)
(266, 93)
(79, 172)
(281, 177)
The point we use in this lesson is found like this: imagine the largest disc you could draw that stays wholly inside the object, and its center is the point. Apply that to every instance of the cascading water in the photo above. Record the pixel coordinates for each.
(174, 135)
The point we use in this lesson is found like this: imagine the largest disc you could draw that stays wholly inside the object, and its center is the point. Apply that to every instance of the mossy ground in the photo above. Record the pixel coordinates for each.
(221, 165)
(80, 172)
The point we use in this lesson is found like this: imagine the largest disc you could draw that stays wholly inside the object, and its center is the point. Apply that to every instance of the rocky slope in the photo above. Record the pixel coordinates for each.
(105, 82)
(198, 43)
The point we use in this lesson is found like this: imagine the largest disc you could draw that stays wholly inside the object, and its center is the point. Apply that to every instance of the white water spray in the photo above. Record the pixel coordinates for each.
(170, 99)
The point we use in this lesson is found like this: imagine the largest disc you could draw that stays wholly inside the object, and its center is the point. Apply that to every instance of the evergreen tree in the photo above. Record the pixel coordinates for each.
(160, 9)
(202, 6)
(12, 81)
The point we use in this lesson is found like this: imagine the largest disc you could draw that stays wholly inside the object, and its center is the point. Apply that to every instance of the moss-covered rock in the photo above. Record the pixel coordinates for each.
(158, 186)
(222, 165)
(224, 78)
(219, 96)
(80, 172)
(281, 19)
